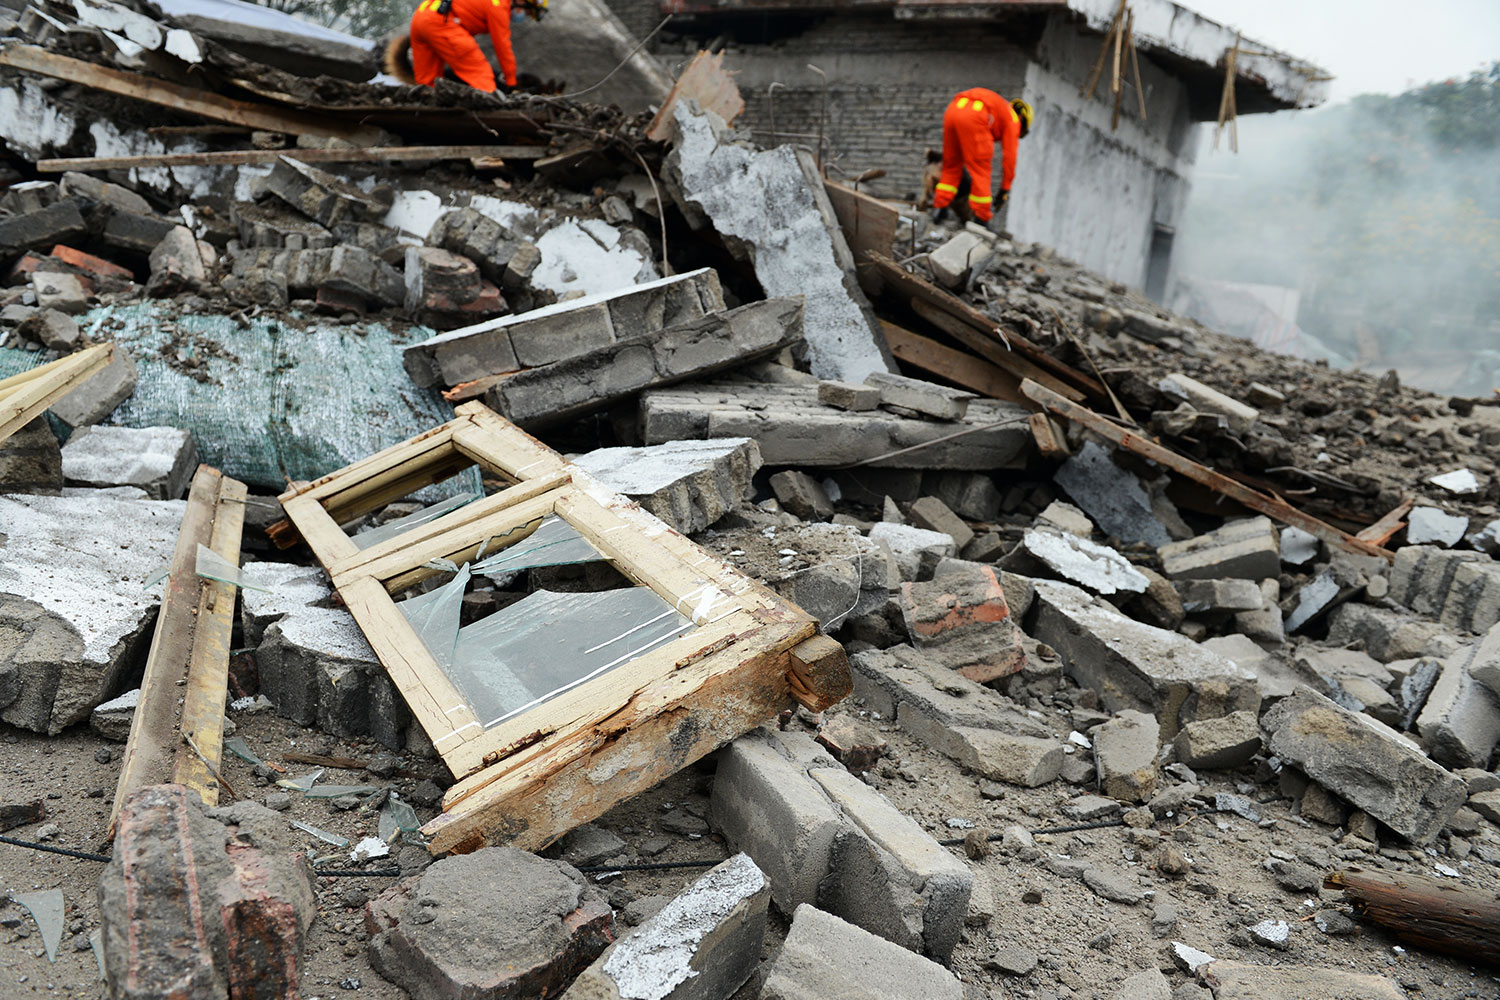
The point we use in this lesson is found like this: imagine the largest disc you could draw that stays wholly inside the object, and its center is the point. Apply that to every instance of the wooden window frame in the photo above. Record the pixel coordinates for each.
(527, 780)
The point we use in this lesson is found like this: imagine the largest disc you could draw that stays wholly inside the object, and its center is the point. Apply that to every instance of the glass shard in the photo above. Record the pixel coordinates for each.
(212, 566)
(373, 536)
(397, 818)
(241, 749)
(96, 942)
(323, 835)
(550, 642)
(46, 909)
(302, 783)
(555, 542)
(156, 576)
(337, 791)
(434, 616)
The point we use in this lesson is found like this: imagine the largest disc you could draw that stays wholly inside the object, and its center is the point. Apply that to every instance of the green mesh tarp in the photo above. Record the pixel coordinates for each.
(267, 400)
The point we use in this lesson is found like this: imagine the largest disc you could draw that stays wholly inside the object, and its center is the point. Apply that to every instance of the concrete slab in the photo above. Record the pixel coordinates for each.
(159, 460)
(825, 958)
(688, 484)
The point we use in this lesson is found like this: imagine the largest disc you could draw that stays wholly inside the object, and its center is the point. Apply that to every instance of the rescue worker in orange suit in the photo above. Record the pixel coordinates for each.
(442, 34)
(975, 120)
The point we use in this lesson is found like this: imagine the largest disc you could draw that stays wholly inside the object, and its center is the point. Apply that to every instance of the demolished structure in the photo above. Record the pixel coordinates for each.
(601, 557)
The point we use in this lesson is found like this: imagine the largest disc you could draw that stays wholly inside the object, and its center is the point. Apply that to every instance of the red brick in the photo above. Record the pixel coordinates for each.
(962, 620)
(97, 266)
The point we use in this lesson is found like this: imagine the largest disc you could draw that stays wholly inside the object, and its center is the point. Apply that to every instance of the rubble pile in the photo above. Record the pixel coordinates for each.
(1110, 720)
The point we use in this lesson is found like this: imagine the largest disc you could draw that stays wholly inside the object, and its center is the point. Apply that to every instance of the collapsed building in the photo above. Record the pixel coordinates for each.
(603, 556)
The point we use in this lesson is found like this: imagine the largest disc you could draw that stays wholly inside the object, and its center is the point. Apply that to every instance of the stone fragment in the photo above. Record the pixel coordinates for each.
(59, 222)
(1188, 958)
(1136, 666)
(1148, 984)
(847, 396)
(952, 261)
(961, 619)
(971, 495)
(158, 460)
(62, 292)
(31, 460)
(1460, 724)
(1272, 934)
(54, 330)
(1125, 755)
(96, 397)
(1012, 960)
(1432, 526)
(856, 745)
(496, 923)
(913, 547)
(770, 208)
(802, 495)
(1385, 635)
(1206, 400)
(702, 945)
(826, 958)
(177, 264)
(1115, 499)
(1263, 625)
(1364, 762)
(113, 718)
(191, 908)
(1246, 549)
(1066, 517)
(1298, 547)
(829, 570)
(591, 845)
(1095, 567)
(1219, 744)
(320, 195)
(1210, 596)
(1487, 804)
(688, 484)
(445, 290)
(1319, 804)
(1114, 884)
(1243, 981)
(932, 514)
(927, 398)
(1087, 808)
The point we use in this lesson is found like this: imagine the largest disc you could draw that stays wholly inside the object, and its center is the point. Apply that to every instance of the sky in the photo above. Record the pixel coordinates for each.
(1370, 46)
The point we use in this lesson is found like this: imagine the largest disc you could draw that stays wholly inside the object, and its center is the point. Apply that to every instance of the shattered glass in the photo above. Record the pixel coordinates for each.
(303, 783)
(374, 536)
(554, 543)
(338, 791)
(323, 835)
(237, 746)
(548, 643)
(46, 908)
(434, 616)
(212, 566)
(397, 818)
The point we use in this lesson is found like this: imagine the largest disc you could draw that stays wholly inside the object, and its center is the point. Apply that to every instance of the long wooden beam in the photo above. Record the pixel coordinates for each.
(991, 350)
(179, 98)
(1272, 506)
(24, 396)
(241, 157)
(962, 369)
(1424, 911)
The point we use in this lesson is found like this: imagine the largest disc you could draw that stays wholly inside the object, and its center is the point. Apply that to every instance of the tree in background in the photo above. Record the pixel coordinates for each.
(1384, 212)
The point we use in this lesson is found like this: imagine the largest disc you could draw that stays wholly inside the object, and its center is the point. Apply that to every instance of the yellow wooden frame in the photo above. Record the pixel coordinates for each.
(24, 396)
(751, 655)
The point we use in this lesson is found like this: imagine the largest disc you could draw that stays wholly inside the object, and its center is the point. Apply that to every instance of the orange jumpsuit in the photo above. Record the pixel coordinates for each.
(437, 41)
(974, 122)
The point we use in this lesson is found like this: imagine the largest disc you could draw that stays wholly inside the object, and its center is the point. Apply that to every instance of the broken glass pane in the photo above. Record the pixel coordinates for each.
(156, 576)
(303, 783)
(241, 749)
(212, 566)
(554, 543)
(373, 536)
(323, 835)
(550, 642)
(96, 942)
(397, 818)
(434, 616)
(338, 791)
(46, 909)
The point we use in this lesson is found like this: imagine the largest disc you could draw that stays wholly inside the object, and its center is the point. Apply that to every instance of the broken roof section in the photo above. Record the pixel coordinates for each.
(1184, 42)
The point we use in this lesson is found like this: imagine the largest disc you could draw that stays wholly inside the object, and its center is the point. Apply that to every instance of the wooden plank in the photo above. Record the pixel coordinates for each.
(869, 226)
(1272, 506)
(474, 388)
(23, 397)
(322, 533)
(818, 672)
(706, 81)
(241, 157)
(387, 458)
(992, 350)
(495, 442)
(530, 802)
(151, 747)
(1050, 441)
(918, 287)
(1381, 531)
(186, 99)
(208, 667)
(957, 367)
(1430, 913)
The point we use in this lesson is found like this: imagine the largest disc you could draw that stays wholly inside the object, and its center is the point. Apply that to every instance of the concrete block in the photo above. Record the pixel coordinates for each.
(96, 398)
(1096, 567)
(63, 292)
(794, 429)
(941, 880)
(688, 484)
(159, 460)
(1206, 400)
(1364, 762)
(1066, 517)
(498, 922)
(31, 460)
(134, 232)
(1125, 755)
(1244, 981)
(1473, 600)
(765, 804)
(177, 264)
(1246, 549)
(113, 718)
(1219, 744)
(1385, 635)
(1209, 596)
(938, 401)
(971, 495)
(72, 609)
(802, 495)
(1133, 665)
(1421, 576)
(691, 350)
(59, 222)
(1485, 665)
(702, 945)
(770, 208)
(1460, 724)
(273, 224)
(952, 261)
(962, 719)
(913, 546)
(961, 620)
(320, 195)
(91, 189)
(825, 957)
(1432, 526)
(1116, 499)
(191, 907)
(1263, 625)
(847, 396)
(932, 514)
(54, 330)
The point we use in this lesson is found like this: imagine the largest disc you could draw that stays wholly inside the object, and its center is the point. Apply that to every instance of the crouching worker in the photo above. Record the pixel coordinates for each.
(976, 120)
(442, 35)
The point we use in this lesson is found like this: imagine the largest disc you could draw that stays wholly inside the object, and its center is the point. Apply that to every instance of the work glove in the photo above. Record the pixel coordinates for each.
(1004, 197)
(939, 215)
